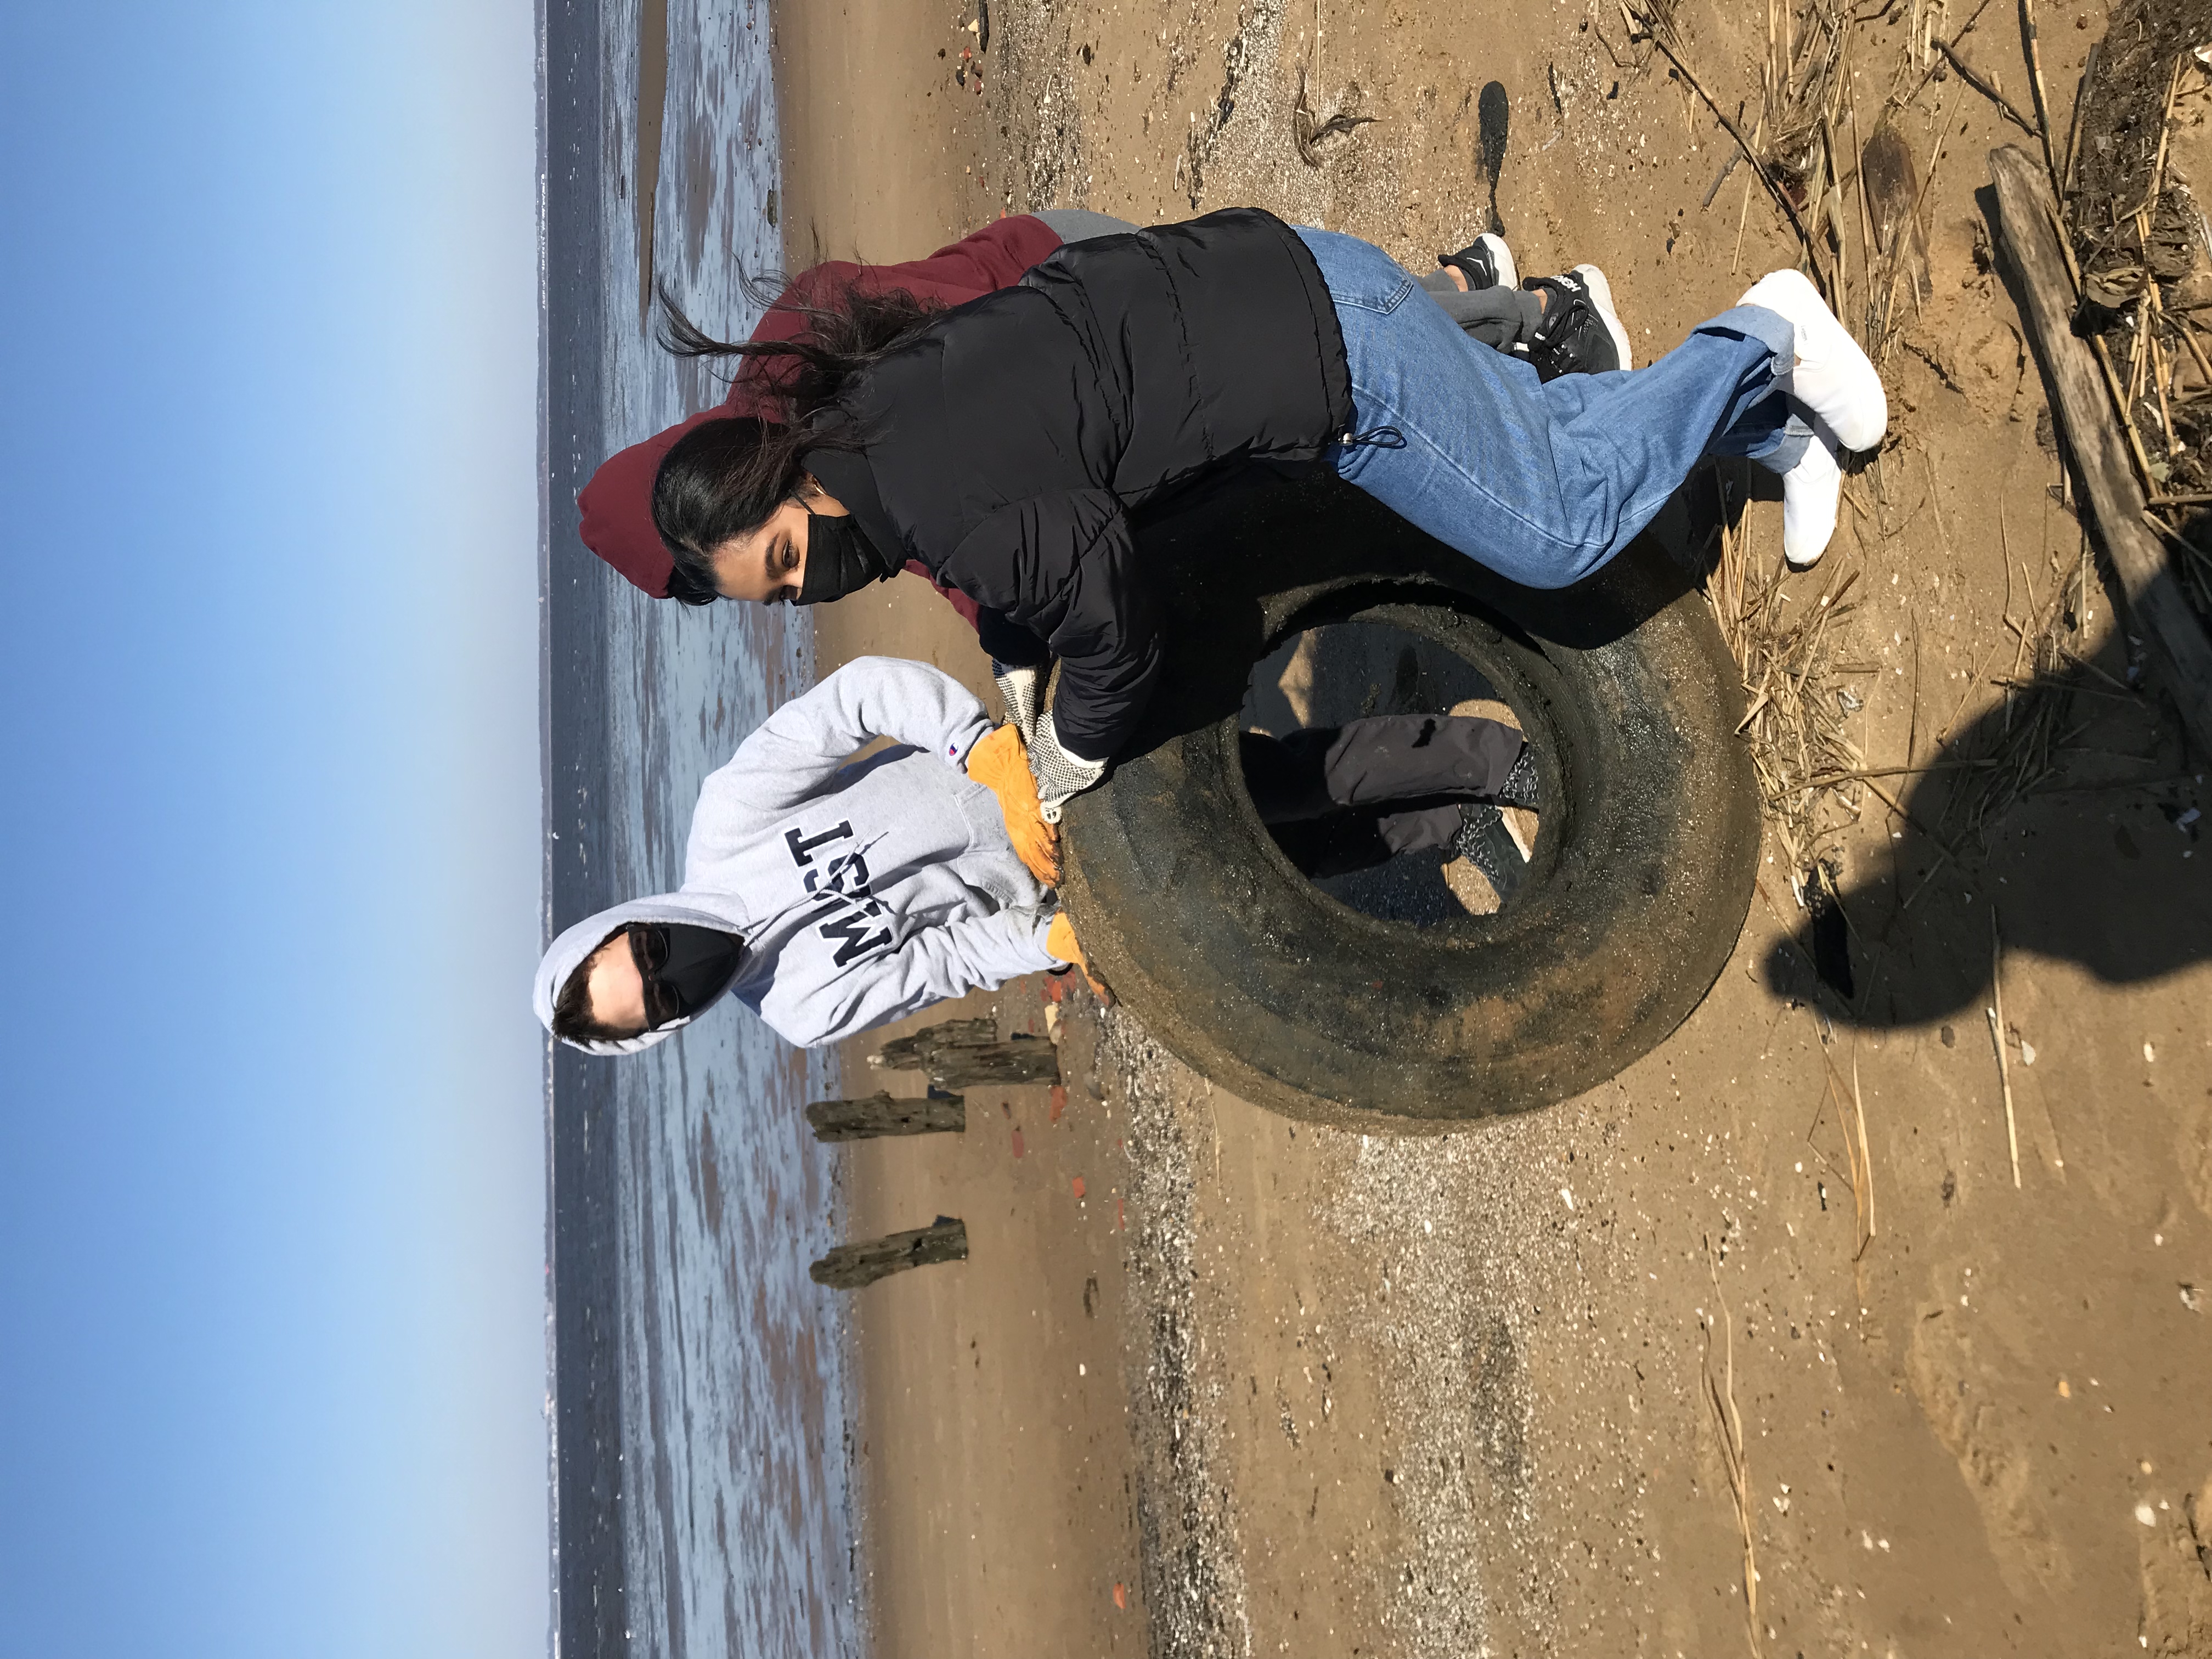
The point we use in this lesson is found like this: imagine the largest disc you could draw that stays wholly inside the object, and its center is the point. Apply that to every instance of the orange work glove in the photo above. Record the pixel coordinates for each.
(1002, 765)
(1060, 942)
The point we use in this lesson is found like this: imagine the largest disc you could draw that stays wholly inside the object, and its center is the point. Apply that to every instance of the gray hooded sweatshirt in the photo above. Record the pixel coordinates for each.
(863, 891)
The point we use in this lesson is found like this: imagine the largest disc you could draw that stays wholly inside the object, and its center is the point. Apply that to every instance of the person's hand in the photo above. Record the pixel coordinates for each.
(1060, 943)
(1022, 690)
(999, 761)
(1060, 776)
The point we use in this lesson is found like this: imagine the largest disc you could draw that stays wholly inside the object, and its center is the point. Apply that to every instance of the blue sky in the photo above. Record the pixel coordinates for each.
(271, 1161)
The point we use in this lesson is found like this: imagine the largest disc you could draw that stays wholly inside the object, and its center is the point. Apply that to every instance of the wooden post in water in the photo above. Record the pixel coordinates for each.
(960, 1053)
(955, 1053)
(934, 1114)
(849, 1266)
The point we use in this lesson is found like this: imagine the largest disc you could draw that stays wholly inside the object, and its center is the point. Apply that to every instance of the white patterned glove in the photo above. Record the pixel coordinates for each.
(1060, 776)
(1022, 690)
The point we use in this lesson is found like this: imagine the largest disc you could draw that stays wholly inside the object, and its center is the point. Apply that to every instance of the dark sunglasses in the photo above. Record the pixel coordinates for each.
(649, 949)
(681, 968)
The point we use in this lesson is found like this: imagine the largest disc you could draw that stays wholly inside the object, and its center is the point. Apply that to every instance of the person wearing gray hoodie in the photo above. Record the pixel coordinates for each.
(825, 894)
(828, 894)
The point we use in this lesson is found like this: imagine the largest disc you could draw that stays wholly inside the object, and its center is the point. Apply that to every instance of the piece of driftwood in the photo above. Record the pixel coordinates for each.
(898, 1054)
(934, 1114)
(2172, 637)
(849, 1266)
(960, 1053)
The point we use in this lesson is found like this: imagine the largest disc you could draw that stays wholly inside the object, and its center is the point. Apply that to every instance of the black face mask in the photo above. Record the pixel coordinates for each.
(839, 560)
(683, 968)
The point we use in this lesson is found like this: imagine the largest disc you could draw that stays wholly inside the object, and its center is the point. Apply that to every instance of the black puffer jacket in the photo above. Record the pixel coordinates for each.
(1009, 441)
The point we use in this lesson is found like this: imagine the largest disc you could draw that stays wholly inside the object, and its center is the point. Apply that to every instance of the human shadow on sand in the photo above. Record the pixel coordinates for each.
(2082, 843)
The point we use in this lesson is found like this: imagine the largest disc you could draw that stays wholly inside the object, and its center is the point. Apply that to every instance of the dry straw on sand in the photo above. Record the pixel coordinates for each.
(1812, 780)
(2138, 236)
(1727, 1430)
(1815, 146)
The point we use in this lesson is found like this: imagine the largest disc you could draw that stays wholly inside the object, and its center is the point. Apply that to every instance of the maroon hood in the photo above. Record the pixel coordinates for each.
(617, 503)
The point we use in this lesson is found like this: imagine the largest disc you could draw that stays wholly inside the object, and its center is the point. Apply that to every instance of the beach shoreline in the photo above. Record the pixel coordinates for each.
(696, 1386)
(991, 1433)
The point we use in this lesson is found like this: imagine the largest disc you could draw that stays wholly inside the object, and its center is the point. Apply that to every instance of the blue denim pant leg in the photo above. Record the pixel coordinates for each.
(1542, 484)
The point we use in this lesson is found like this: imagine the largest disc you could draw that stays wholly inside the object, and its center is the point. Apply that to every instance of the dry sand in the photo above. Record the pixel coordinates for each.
(1296, 1391)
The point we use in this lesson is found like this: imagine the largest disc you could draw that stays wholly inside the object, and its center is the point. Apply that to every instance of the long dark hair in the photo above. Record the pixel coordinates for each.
(723, 478)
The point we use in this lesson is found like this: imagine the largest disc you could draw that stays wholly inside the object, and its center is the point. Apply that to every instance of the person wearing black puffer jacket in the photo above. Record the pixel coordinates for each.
(1003, 444)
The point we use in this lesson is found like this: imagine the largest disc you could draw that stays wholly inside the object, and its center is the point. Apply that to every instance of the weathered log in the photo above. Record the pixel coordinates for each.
(849, 1266)
(935, 1112)
(907, 1053)
(960, 1054)
(1023, 1059)
(2173, 638)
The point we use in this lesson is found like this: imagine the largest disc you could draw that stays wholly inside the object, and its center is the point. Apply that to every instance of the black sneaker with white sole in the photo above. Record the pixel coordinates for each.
(1519, 788)
(1485, 262)
(1484, 842)
(1581, 333)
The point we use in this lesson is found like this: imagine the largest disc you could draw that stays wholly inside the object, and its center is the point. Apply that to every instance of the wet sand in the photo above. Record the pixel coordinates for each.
(994, 1446)
(1306, 1392)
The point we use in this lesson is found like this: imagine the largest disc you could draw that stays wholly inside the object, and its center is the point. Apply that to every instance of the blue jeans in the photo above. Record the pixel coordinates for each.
(1543, 483)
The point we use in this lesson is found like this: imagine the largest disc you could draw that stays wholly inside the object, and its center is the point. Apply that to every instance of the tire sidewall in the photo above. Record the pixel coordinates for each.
(1636, 890)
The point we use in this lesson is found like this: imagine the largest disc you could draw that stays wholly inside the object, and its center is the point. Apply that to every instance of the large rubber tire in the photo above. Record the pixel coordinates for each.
(1261, 981)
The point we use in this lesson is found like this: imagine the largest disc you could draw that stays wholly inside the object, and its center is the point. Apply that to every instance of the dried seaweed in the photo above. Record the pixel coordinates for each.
(1812, 784)
(2144, 247)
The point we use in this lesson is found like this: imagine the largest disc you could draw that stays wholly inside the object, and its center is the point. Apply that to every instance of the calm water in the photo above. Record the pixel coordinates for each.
(702, 1502)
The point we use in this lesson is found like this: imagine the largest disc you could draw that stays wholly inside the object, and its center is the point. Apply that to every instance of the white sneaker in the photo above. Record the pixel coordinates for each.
(1812, 491)
(1507, 275)
(1833, 377)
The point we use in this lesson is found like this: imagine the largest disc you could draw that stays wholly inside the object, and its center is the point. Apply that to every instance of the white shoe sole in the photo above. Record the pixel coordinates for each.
(1508, 274)
(1812, 496)
(1520, 823)
(1601, 293)
(1833, 377)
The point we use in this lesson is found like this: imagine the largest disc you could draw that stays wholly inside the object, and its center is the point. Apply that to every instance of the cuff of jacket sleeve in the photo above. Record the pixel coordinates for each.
(1046, 960)
(956, 747)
